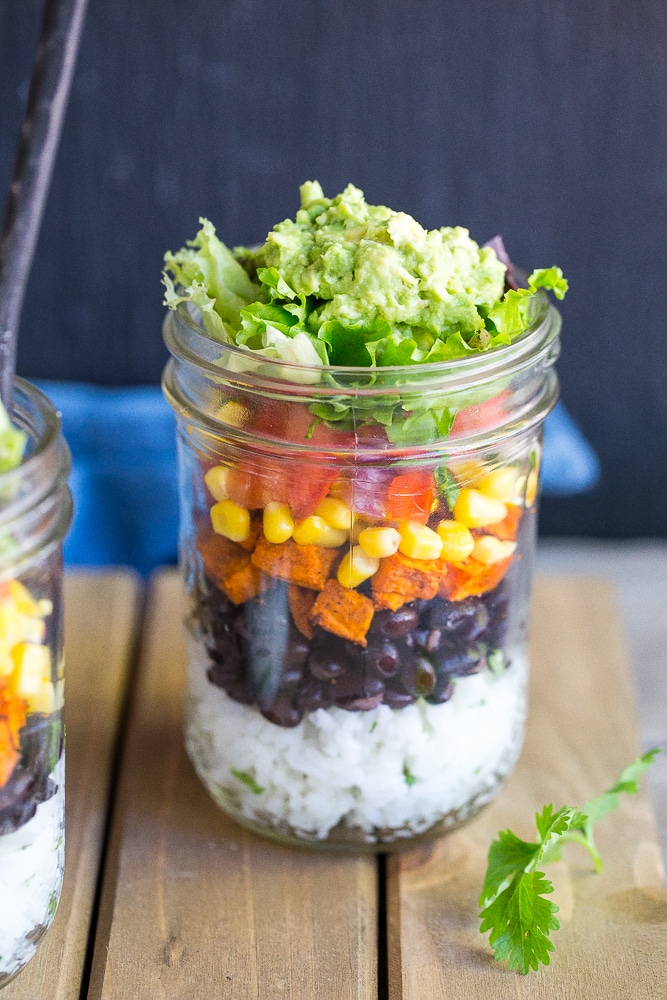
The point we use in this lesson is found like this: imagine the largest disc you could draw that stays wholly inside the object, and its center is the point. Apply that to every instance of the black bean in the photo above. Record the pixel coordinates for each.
(395, 623)
(241, 690)
(361, 704)
(395, 698)
(442, 692)
(331, 656)
(348, 685)
(281, 712)
(418, 676)
(228, 654)
(326, 668)
(221, 675)
(383, 657)
(313, 695)
(297, 650)
(460, 663)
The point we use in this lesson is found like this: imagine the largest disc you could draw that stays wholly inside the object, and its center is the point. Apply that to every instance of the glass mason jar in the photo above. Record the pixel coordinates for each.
(35, 511)
(356, 547)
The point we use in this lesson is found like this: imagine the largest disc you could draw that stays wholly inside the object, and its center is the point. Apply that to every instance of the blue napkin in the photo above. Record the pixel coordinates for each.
(124, 476)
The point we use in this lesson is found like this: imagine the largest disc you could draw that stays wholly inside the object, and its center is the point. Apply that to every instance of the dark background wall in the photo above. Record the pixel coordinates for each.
(546, 122)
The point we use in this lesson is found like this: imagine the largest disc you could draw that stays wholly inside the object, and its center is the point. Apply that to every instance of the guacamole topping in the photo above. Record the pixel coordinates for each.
(351, 284)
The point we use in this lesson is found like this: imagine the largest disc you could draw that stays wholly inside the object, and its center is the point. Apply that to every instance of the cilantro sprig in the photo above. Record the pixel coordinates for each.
(513, 903)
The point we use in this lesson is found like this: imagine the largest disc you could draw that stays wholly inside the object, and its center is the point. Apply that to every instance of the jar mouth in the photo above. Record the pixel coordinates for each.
(188, 341)
(37, 486)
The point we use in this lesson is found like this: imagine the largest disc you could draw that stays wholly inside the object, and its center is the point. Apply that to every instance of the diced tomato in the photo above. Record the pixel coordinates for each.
(410, 496)
(481, 415)
(302, 485)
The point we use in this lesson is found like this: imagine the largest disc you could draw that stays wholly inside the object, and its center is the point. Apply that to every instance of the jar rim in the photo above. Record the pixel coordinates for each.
(34, 493)
(42, 443)
(199, 349)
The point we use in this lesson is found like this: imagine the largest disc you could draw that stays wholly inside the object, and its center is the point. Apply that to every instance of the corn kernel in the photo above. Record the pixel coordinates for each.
(314, 530)
(467, 470)
(532, 484)
(31, 677)
(336, 513)
(216, 480)
(278, 522)
(230, 520)
(489, 549)
(457, 542)
(499, 484)
(233, 413)
(355, 567)
(418, 541)
(475, 510)
(379, 542)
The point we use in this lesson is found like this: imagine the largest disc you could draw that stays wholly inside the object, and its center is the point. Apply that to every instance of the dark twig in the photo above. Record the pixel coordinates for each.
(37, 148)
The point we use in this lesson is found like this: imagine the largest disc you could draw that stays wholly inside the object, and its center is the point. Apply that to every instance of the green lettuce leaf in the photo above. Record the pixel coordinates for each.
(12, 442)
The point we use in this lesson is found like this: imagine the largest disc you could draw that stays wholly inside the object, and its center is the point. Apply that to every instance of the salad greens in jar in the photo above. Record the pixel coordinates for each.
(360, 403)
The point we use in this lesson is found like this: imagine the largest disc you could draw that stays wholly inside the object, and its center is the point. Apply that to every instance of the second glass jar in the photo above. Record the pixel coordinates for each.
(356, 547)
(35, 511)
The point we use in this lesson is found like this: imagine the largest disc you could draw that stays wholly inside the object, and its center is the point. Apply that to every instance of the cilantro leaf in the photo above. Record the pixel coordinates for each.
(512, 904)
(520, 920)
(508, 856)
(248, 780)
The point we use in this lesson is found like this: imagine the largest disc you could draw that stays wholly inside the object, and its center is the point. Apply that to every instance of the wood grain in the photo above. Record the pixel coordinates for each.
(193, 905)
(101, 618)
(581, 733)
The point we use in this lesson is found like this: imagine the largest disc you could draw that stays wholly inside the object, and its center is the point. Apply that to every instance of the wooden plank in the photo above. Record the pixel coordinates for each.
(101, 617)
(193, 905)
(581, 733)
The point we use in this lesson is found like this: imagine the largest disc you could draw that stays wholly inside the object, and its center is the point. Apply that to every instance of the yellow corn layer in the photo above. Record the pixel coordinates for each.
(457, 542)
(475, 510)
(379, 542)
(278, 522)
(418, 541)
(489, 549)
(315, 530)
(31, 677)
(355, 567)
(230, 520)
(336, 513)
(499, 484)
(216, 480)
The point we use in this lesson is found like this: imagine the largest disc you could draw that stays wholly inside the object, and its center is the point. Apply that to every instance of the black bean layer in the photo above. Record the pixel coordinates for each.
(259, 657)
(41, 743)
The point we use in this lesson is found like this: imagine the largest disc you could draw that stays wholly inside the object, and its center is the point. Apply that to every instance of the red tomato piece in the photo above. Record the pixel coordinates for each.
(410, 496)
(481, 415)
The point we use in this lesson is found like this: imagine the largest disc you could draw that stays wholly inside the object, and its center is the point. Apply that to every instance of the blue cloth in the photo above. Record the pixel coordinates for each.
(124, 476)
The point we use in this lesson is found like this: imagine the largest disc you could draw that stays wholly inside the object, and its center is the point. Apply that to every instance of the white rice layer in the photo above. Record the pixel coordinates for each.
(31, 872)
(385, 773)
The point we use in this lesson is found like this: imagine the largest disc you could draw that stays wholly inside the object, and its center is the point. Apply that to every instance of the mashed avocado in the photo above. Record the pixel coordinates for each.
(351, 284)
(368, 262)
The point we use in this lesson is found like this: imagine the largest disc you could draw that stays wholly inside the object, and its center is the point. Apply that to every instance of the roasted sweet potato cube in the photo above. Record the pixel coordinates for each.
(344, 612)
(304, 565)
(471, 578)
(401, 579)
(228, 565)
(300, 604)
(506, 529)
(255, 531)
(12, 718)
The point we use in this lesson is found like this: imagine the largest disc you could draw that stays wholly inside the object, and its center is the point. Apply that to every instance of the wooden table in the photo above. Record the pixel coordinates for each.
(164, 897)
